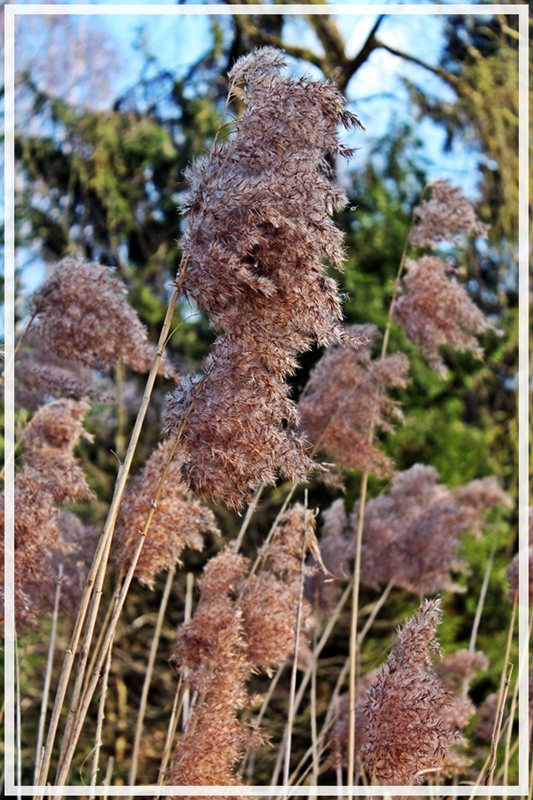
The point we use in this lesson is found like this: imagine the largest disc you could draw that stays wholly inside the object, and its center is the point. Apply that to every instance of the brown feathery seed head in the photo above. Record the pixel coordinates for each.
(346, 401)
(255, 252)
(339, 737)
(57, 425)
(233, 436)
(50, 437)
(269, 607)
(199, 639)
(458, 669)
(82, 314)
(411, 534)
(405, 733)
(51, 475)
(179, 520)
(41, 375)
(436, 310)
(270, 601)
(215, 739)
(447, 214)
(285, 552)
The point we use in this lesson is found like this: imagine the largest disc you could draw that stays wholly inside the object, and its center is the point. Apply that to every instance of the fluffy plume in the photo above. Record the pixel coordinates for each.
(51, 476)
(255, 253)
(435, 310)
(240, 625)
(405, 730)
(445, 216)
(41, 375)
(212, 655)
(178, 521)
(346, 401)
(82, 313)
(339, 737)
(270, 602)
(411, 534)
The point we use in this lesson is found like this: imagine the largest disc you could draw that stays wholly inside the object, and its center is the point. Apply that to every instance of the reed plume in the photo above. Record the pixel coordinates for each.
(346, 401)
(412, 533)
(51, 476)
(178, 522)
(434, 308)
(444, 217)
(241, 625)
(406, 732)
(83, 315)
(255, 252)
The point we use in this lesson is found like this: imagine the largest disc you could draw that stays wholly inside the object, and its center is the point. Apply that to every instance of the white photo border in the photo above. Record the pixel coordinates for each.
(11, 12)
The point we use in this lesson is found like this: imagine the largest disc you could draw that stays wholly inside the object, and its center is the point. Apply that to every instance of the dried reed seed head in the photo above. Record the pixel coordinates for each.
(233, 433)
(457, 669)
(411, 534)
(483, 494)
(259, 206)
(51, 475)
(406, 733)
(445, 216)
(41, 375)
(346, 401)
(286, 550)
(254, 255)
(83, 314)
(436, 310)
(74, 553)
(57, 425)
(269, 608)
(50, 437)
(198, 640)
(179, 520)
(270, 603)
(215, 739)
(486, 717)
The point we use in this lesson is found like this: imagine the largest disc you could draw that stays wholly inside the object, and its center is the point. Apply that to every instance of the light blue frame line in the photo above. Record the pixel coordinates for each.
(11, 11)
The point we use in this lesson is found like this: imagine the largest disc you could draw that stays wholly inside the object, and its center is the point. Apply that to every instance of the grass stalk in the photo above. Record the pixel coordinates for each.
(148, 676)
(481, 601)
(187, 618)
(509, 732)
(314, 732)
(47, 677)
(18, 720)
(291, 714)
(250, 511)
(353, 632)
(81, 669)
(171, 733)
(249, 761)
(502, 699)
(95, 766)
